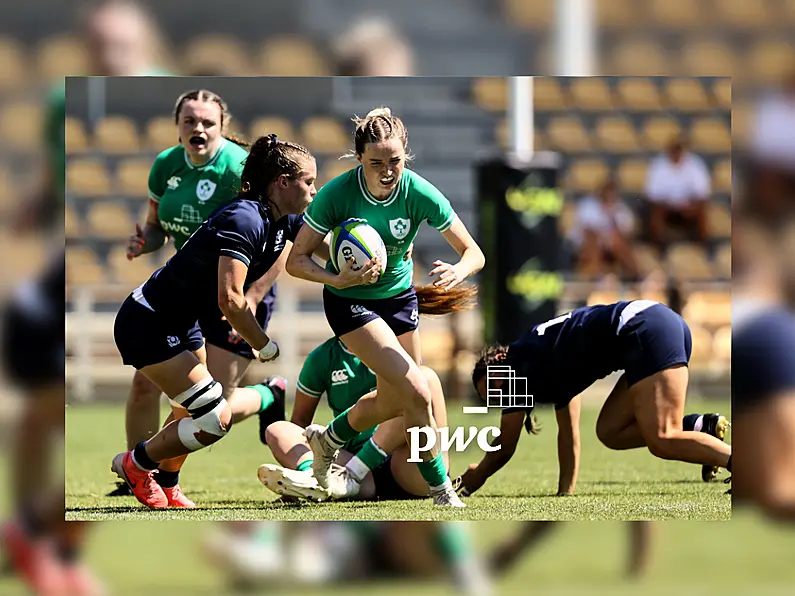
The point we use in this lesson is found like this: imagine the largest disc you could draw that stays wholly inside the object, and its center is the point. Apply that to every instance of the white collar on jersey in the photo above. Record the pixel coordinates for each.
(210, 161)
(369, 197)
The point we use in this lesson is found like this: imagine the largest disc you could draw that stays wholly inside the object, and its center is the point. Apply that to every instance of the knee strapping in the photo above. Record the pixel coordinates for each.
(205, 404)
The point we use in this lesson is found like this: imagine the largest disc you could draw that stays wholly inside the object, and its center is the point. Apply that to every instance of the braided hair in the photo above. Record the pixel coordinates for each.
(269, 158)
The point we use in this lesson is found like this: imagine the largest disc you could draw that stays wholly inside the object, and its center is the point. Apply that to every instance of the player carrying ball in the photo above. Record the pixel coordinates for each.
(377, 317)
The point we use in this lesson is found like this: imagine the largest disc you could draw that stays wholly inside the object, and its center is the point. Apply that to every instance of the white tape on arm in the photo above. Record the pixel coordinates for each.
(268, 351)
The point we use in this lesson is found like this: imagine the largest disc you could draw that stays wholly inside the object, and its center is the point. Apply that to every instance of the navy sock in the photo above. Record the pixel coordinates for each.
(167, 479)
(142, 459)
(689, 421)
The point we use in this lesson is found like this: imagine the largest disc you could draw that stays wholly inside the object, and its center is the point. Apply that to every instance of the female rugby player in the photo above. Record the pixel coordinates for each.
(187, 183)
(378, 319)
(375, 460)
(157, 328)
(564, 356)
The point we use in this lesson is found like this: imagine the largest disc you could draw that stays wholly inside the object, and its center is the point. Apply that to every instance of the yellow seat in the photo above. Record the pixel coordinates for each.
(132, 177)
(265, 125)
(83, 267)
(638, 57)
(707, 58)
(770, 60)
(73, 227)
(325, 135)
(710, 309)
(491, 93)
(567, 133)
(161, 133)
(616, 14)
(585, 175)
(567, 217)
(14, 73)
(291, 56)
(61, 56)
(688, 262)
(647, 258)
(710, 135)
(21, 125)
(632, 175)
(129, 273)
(722, 90)
(76, 137)
(658, 131)
(687, 95)
(722, 176)
(675, 14)
(742, 14)
(116, 134)
(110, 221)
(723, 261)
(701, 351)
(218, 55)
(87, 177)
(591, 93)
(617, 135)
(639, 94)
(742, 114)
(502, 138)
(333, 168)
(548, 95)
(539, 14)
(722, 345)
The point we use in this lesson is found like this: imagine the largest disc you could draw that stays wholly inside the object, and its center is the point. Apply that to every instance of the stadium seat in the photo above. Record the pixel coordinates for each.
(132, 177)
(639, 94)
(61, 56)
(491, 93)
(14, 73)
(742, 114)
(325, 135)
(701, 351)
(585, 175)
(675, 14)
(83, 267)
(707, 58)
(591, 94)
(638, 57)
(216, 55)
(688, 261)
(770, 60)
(647, 258)
(87, 177)
(566, 218)
(658, 132)
(129, 273)
(722, 176)
(723, 261)
(632, 175)
(710, 309)
(687, 95)
(116, 134)
(616, 14)
(722, 345)
(110, 220)
(548, 95)
(161, 133)
(539, 14)
(722, 92)
(21, 125)
(76, 137)
(617, 135)
(501, 137)
(568, 134)
(710, 135)
(333, 168)
(291, 56)
(265, 125)
(73, 227)
(744, 15)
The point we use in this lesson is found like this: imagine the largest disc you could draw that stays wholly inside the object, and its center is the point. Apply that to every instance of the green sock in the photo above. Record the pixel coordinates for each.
(369, 457)
(340, 430)
(304, 465)
(267, 533)
(453, 541)
(265, 393)
(433, 471)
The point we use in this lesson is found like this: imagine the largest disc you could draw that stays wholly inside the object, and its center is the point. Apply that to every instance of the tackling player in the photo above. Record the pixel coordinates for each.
(564, 356)
(378, 321)
(157, 328)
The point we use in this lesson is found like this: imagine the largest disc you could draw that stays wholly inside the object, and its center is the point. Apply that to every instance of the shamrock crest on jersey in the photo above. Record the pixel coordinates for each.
(205, 189)
(400, 227)
(173, 182)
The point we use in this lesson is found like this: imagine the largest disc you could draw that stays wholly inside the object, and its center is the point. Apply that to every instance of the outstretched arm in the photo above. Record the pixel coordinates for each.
(471, 261)
(568, 446)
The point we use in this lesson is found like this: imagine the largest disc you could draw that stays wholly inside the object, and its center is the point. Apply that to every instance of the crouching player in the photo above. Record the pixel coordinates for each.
(373, 465)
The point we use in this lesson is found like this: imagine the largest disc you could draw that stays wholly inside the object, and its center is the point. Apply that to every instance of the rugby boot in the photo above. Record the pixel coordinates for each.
(142, 483)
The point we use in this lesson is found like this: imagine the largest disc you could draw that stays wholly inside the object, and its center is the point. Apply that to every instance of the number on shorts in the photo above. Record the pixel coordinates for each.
(544, 326)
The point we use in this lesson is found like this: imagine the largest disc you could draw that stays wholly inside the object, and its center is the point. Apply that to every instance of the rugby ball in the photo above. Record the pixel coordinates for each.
(356, 238)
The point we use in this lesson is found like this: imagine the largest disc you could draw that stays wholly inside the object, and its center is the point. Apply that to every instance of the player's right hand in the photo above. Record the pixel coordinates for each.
(349, 277)
(136, 244)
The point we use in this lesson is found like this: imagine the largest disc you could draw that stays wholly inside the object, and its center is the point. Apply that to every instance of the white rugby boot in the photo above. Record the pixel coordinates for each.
(323, 453)
(292, 483)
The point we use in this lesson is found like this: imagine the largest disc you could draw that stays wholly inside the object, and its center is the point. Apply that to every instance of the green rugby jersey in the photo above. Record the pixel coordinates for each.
(396, 219)
(331, 369)
(55, 140)
(187, 193)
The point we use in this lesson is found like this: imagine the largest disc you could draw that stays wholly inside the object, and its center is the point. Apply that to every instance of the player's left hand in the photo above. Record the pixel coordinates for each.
(448, 275)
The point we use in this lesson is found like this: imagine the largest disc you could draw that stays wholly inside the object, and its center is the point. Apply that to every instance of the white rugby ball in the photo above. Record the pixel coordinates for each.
(356, 238)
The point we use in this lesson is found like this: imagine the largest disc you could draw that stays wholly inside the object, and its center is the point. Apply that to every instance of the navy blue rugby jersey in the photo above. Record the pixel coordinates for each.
(563, 356)
(187, 285)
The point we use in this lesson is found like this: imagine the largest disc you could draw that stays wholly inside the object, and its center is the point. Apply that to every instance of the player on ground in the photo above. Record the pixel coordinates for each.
(378, 319)
(157, 328)
(375, 459)
(564, 356)
(187, 183)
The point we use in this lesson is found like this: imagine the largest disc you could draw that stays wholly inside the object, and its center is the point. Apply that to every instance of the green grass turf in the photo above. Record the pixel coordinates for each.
(222, 479)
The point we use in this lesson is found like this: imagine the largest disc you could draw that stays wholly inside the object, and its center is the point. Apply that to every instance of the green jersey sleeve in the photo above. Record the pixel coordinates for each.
(431, 204)
(158, 176)
(314, 374)
(321, 214)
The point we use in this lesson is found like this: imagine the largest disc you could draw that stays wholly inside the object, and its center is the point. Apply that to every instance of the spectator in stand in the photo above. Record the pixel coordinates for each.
(602, 234)
(678, 187)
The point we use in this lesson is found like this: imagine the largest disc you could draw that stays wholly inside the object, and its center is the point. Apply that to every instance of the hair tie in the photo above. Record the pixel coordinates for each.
(273, 140)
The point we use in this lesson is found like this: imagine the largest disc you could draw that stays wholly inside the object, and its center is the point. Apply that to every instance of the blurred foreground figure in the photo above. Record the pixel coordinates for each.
(40, 546)
(339, 553)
